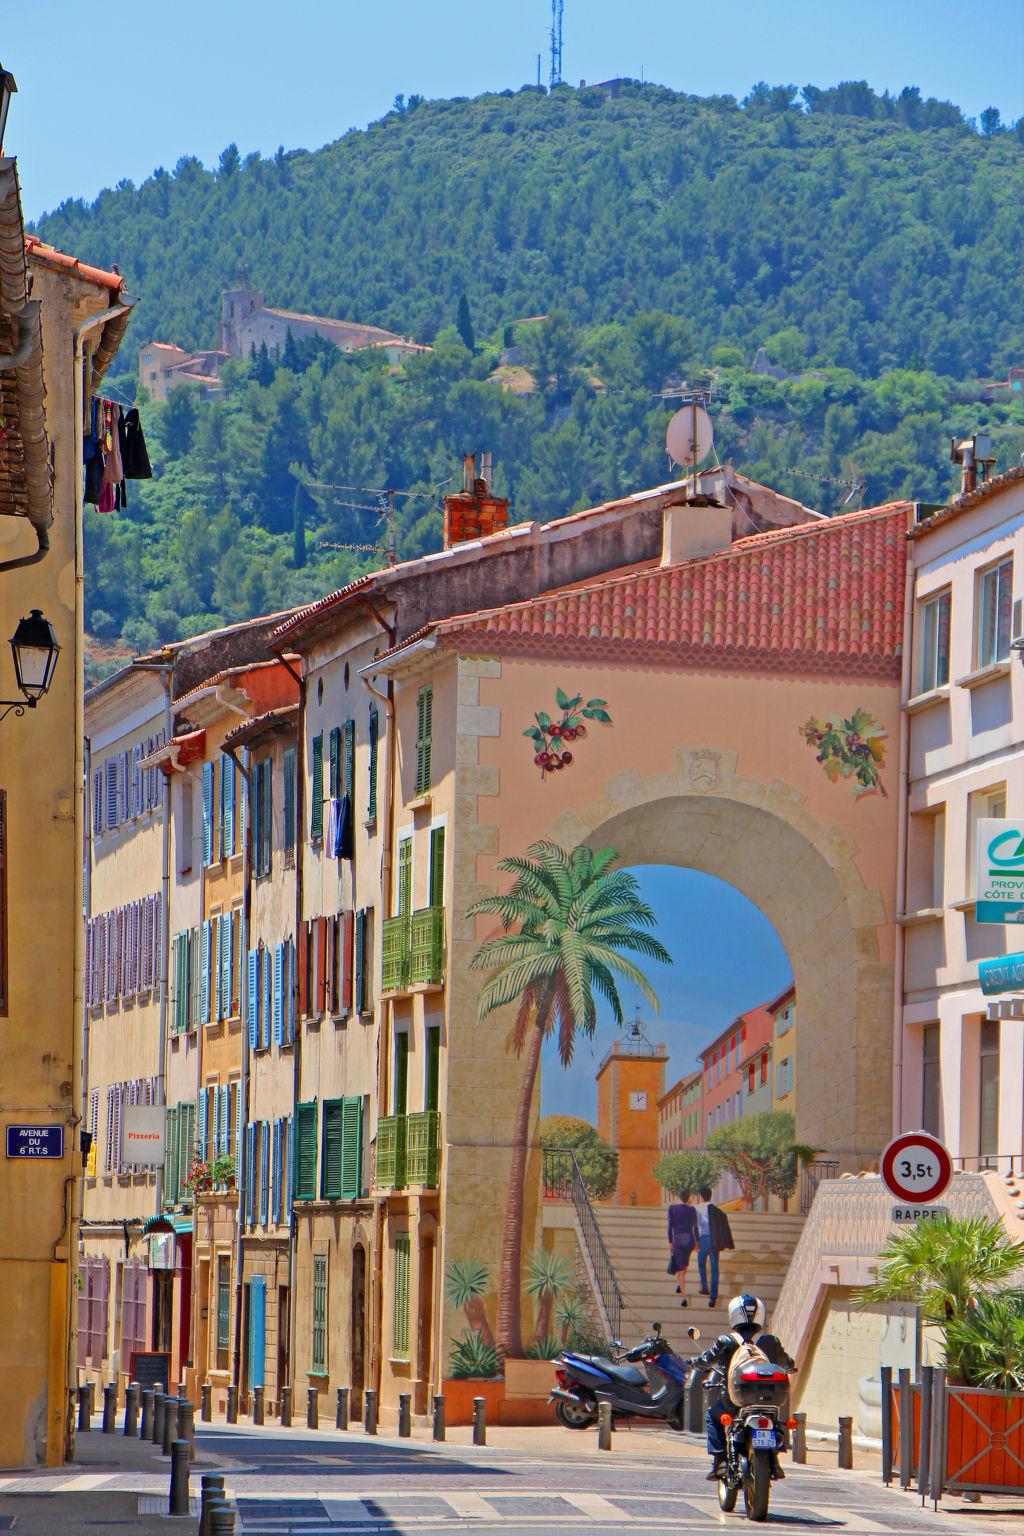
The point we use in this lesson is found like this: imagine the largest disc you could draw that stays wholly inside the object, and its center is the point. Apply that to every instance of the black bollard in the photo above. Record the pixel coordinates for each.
(341, 1412)
(178, 1502)
(313, 1408)
(286, 1407)
(370, 1411)
(233, 1404)
(800, 1439)
(206, 1408)
(85, 1408)
(479, 1421)
(439, 1424)
(404, 1416)
(170, 1424)
(131, 1408)
(146, 1422)
(159, 1414)
(110, 1408)
(211, 1488)
(844, 1450)
(187, 1426)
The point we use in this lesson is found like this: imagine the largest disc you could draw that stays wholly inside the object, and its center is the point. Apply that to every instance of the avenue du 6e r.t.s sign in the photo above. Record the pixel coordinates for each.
(35, 1141)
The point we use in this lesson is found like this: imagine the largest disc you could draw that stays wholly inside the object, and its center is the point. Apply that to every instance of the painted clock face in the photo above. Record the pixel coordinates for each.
(638, 1099)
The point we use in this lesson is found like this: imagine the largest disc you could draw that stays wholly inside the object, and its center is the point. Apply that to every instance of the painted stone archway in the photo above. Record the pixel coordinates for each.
(801, 874)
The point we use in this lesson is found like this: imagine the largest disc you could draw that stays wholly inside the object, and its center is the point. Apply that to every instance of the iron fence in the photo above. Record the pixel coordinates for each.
(564, 1181)
(813, 1174)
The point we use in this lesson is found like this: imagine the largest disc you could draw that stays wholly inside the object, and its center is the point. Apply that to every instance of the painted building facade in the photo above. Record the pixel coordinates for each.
(680, 1115)
(782, 1064)
(630, 1087)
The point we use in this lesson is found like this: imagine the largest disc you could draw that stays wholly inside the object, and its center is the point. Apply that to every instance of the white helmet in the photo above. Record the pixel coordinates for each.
(746, 1309)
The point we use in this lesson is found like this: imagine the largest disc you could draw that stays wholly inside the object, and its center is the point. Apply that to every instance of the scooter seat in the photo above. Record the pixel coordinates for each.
(627, 1374)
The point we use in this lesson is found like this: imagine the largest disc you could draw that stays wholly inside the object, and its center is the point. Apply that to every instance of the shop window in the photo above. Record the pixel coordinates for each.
(994, 609)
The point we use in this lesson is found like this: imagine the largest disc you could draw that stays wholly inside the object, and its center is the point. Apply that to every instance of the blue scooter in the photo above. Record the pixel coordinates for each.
(584, 1380)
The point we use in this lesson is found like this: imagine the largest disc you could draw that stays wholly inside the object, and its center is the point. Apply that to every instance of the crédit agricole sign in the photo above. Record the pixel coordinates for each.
(999, 871)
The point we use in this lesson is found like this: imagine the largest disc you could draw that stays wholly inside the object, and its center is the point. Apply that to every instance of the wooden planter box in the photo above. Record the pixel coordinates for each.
(529, 1379)
(984, 1438)
(501, 1409)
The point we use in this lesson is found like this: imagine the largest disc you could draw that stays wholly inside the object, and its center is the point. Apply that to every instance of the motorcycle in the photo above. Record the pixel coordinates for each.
(754, 1436)
(585, 1380)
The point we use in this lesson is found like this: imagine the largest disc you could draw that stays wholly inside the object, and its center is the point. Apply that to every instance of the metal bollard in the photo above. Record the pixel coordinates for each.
(439, 1424)
(178, 1501)
(844, 1450)
(370, 1411)
(146, 1422)
(258, 1409)
(159, 1414)
(479, 1421)
(800, 1439)
(604, 1425)
(187, 1426)
(313, 1408)
(223, 1520)
(110, 1408)
(85, 1408)
(885, 1376)
(404, 1416)
(341, 1412)
(233, 1403)
(131, 1408)
(182, 1389)
(925, 1444)
(906, 1392)
(936, 1459)
(286, 1407)
(170, 1424)
(206, 1403)
(211, 1488)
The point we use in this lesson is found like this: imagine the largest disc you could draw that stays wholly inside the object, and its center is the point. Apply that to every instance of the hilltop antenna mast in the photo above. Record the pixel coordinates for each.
(557, 7)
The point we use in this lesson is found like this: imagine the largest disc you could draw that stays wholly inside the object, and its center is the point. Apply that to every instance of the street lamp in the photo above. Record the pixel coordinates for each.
(35, 649)
(7, 90)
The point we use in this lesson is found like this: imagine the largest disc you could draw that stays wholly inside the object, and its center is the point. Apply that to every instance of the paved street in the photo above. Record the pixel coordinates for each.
(298, 1483)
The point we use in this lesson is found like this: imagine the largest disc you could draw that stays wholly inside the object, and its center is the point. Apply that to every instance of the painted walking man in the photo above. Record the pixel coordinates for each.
(713, 1235)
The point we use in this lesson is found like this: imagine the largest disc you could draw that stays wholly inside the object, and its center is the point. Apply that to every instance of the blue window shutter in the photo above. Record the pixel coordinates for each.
(228, 771)
(207, 813)
(288, 1154)
(201, 1121)
(257, 1330)
(204, 984)
(225, 1110)
(215, 987)
(278, 994)
(250, 1174)
(238, 1128)
(264, 1170)
(227, 949)
(275, 1174)
(253, 999)
(265, 1001)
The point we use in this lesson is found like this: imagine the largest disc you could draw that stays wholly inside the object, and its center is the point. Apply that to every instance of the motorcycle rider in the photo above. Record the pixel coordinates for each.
(746, 1323)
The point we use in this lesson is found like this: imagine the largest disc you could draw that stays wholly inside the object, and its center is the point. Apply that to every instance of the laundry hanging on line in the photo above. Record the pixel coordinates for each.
(113, 451)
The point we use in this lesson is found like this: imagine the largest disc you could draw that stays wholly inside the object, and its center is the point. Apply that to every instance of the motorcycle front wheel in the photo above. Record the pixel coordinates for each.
(727, 1498)
(757, 1485)
(575, 1415)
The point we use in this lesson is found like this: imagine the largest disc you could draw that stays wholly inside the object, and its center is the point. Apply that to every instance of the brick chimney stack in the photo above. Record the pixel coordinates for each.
(474, 512)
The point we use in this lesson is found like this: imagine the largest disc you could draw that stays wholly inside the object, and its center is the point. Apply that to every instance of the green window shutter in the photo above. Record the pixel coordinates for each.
(186, 1145)
(424, 714)
(400, 1330)
(305, 1152)
(405, 877)
(348, 761)
(316, 809)
(289, 798)
(432, 1074)
(401, 1085)
(319, 1340)
(371, 804)
(351, 1147)
(330, 1178)
(171, 1158)
(436, 866)
(334, 768)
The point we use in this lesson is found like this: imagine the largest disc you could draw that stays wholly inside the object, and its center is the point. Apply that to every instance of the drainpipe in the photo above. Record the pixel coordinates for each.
(243, 1084)
(167, 678)
(300, 844)
(906, 689)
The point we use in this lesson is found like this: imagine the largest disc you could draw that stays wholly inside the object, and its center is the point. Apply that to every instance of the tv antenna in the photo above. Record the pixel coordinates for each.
(690, 436)
(557, 7)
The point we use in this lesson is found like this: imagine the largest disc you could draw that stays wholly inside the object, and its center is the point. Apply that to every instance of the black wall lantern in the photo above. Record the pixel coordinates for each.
(35, 649)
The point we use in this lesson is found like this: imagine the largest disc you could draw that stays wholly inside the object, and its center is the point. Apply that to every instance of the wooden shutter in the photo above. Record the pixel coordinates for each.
(359, 964)
(424, 721)
(204, 965)
(436, 866)
(215, 964)
(207, 813)
(278, 994)
(400, 1316)
(348, 781)
(264, 1170)
(334, 771)
(265, 998)
(330, 1174)
(289, 799)
(224, 1128)
(371, 803)
(288, 1159)
(186, 1144)
(250, 1173)
(347, 937)
(305, 1152)
(316, 808)
(267, 816)
(110, 794)
(405, 877)
(330, 966)
(97, 801)
(227, 769)
(171, 1158)
(252, 997)
(275, 1172)
(303, 964)
(227, 955)
(289, 991)
(351, 1147)
(320, 995)
(318, 1345)
(202, 1106)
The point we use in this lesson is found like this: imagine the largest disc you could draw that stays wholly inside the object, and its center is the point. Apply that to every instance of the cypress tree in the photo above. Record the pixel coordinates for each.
(464, 323)
(299, 529)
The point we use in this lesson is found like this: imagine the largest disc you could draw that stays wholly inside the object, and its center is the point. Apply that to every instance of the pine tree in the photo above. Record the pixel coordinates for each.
(299, 529)
(464, 324)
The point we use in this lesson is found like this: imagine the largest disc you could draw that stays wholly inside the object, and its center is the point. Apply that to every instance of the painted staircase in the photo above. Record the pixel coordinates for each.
(635, 1238)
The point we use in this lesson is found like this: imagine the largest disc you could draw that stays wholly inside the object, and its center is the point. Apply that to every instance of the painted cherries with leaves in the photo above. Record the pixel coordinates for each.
(553, 737)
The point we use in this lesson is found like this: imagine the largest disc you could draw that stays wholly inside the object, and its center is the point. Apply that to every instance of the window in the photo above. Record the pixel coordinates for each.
(289, 804)
(994, 614)
(783, 1077)
(935, 642)
(316, 808)
(764, 1068)
(318, 1363)
(400, 1316)
(186, 832)
(330, 1173)
(262, 814)
(988, 1082)
(432, 1068)
(401, 1083)
(371, 805)
(305, 1152)
(931, 1080)
(984, 805)
(223, 1312)
(424, 716)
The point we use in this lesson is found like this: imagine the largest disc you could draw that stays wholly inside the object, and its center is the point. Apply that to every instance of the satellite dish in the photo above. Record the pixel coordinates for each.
(690, 436)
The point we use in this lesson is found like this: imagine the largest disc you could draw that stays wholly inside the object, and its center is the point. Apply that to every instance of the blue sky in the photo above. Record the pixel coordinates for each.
(726, 958)
(111, 93)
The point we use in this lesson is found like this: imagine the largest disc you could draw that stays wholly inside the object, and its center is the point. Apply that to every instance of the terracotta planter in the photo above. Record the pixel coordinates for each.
(459, 1395)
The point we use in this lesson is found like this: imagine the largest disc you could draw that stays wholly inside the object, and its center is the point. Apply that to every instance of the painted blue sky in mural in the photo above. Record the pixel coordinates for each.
(726, 958)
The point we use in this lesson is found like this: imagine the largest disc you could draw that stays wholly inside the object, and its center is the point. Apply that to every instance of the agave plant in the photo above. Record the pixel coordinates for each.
(547, 1276)
(547, 1348)
(466, 1283)
(473, 1356)
(988, 1342)
(570, 1315)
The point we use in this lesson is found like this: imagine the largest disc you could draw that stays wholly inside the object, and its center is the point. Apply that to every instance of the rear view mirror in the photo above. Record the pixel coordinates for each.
(655, 1327)
(616, 1343)
(693, 1333)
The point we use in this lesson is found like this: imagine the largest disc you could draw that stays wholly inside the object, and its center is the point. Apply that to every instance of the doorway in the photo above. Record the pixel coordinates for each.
(425, 1330)
(283, 1329)
(358, 1330)
(163, 1308)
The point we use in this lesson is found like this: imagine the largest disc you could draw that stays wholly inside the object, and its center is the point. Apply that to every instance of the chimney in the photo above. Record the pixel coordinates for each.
(975, 457)
(692, 529)
(474, 512)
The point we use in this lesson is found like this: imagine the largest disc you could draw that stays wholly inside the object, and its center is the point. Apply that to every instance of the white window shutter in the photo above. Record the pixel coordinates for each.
(87, 971)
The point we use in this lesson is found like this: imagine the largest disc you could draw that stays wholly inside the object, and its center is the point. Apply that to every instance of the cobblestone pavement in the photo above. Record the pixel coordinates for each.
(309, 1483)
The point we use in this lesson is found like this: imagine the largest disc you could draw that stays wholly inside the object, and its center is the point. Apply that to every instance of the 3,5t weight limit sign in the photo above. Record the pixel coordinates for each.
(916, 1168)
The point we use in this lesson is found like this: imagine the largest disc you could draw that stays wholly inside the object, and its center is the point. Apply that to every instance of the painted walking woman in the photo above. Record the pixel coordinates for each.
(682, 1240)
(569, 921)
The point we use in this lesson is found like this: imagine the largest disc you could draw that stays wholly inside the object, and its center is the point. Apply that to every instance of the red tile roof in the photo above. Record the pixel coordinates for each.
(53, 258)
(822, 598)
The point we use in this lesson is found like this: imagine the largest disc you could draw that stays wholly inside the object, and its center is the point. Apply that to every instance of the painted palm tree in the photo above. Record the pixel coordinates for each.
(466, 1285)
(570, 922)
(547, 1276)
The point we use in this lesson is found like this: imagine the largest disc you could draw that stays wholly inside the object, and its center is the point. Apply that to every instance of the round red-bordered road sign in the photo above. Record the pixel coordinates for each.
(916, 1168)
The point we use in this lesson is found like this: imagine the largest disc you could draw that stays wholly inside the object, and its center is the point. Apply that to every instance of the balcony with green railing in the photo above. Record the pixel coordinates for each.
(391, 1151)
(426, 964)
(397, 946)
(422, 1142)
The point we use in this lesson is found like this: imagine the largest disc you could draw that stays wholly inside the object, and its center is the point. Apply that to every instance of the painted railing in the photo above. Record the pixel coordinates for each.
(564, 1181)
(412, 949)
(811, 1175)
(396, 944)
(390, 1170)
(408, 1150)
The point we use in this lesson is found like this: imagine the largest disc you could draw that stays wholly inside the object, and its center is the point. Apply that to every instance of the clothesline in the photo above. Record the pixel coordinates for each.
(113, 452)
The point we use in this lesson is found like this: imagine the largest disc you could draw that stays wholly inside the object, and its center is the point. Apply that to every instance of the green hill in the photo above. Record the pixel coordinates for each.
(870, 244)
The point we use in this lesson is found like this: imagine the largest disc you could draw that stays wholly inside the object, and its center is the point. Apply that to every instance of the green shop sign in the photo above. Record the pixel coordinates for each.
(999, 872)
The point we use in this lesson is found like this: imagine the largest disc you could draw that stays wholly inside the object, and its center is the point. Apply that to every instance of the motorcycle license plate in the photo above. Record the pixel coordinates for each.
(763, 1440)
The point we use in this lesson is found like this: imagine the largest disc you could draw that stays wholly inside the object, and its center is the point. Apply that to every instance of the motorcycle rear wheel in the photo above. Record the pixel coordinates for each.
(757, 1485)
(727, 1498)
(577, 1415)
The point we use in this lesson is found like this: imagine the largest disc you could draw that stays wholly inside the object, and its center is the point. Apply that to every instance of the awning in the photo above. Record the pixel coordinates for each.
(156, 1224)
(183, 1226)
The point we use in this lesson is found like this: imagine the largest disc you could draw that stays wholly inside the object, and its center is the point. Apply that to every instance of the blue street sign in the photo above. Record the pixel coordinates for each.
(1005, 974)
(35, 1141)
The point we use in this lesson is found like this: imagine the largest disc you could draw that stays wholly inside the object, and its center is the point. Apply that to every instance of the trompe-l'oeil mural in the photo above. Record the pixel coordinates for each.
(852, 749)
(552, 738)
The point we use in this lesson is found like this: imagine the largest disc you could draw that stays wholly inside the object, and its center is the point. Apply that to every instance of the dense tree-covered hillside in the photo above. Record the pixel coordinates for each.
(870, 244)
